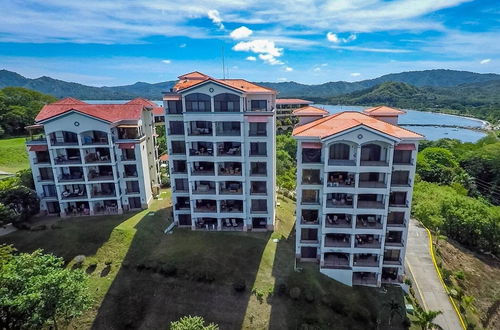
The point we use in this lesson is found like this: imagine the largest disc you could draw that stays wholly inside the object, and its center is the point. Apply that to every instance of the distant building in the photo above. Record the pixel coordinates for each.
(285, 121)
(221, 147)
(90, 159)
(355, 176)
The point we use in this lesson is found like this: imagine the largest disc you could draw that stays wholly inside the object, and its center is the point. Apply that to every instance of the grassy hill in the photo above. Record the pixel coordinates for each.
(13, 155)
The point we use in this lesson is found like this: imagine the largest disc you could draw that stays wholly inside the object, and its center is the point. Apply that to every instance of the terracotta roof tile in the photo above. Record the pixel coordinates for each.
(195, 78)
(383, 111)
(108, 112)
(194, 75)
(310, 111)
(293, 101)
(340, 122)
(142, 101)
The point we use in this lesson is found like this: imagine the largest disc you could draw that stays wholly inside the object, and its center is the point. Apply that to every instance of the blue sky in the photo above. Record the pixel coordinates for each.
(100, 42)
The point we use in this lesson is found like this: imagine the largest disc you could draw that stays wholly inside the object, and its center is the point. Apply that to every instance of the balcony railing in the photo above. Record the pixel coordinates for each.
(335, 222)
(98, 194)
(339, 204)
(231, 191)
(368, 223)
(372, 184)
(392, 261)
(374, 163)
(228, 133)
(236, 151)
(132, 191)
(368, 261)
(342, 162)
(337, 242)
(67, 160)
(70, 177)
(370, 205)
(366, 242)
(339, 262)
(257, 133)
(44, 178)
(364, 279)
(204, 189)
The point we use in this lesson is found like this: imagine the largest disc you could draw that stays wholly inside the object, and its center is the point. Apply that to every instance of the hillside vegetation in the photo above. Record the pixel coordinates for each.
(481, 100)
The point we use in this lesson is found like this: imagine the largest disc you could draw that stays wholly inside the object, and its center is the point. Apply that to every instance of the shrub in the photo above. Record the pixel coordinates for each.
(408, 282)
(295, 293)
(460, 275)
(239, 285)
(192, 323)
(446, 276)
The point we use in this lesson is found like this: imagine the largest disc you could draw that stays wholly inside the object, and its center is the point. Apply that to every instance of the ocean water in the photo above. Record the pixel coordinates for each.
(430, 132)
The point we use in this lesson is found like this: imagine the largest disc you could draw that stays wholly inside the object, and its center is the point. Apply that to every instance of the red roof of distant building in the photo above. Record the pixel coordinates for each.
(195, 78)
(343, 121)
(164, 158)
(383, 111)
(142, 101)
(108, 112)
(310, 111)
(293, 101)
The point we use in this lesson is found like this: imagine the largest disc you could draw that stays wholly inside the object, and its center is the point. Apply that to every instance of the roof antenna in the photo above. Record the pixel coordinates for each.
(223, 66)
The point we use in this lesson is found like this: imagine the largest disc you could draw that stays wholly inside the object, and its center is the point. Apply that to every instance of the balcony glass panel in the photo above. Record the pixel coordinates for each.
(311, 177)
(339, 200)
(341, 179)
(311, 155)
(197, 102)
(373, 155)
(230, 168)
(257, 129)
(338, 220)
(229, 149)
(228, 128)
(336, 260)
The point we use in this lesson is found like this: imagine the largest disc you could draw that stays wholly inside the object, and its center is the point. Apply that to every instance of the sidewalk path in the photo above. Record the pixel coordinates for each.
(426, 279)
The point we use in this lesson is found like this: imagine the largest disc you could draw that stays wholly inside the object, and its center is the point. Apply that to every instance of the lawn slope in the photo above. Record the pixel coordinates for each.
(13, 155)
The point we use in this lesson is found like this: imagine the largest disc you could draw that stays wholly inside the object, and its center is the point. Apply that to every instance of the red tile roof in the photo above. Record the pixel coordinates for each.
(343, 121)
(195, 78)
(157, 110)
(164, 158)
(383, 111)
(108, 112)
(310, 111)
(293, 101)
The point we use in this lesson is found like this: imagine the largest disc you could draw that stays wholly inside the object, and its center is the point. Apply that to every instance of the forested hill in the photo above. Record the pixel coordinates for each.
(480, 100)
(428, 78)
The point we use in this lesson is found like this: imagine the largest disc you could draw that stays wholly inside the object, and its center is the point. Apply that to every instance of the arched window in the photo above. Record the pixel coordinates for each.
(339, 151)
(371, 152)
(227, 102)
(197, 102)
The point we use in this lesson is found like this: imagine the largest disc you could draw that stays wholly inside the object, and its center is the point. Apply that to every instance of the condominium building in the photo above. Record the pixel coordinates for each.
(221, 146)
(355, 175)
(285, 120)
(90, 159)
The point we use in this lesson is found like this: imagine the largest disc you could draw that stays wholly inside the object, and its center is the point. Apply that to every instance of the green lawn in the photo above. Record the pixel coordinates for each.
(136, 294)
(13, 156)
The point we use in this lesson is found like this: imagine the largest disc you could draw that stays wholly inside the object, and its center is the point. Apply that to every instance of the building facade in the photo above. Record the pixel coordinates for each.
(90, 159)
(221, 146)
(285, 120)
(355, 175)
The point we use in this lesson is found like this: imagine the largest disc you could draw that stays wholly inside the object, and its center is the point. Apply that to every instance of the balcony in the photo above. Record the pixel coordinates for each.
(398, 199)
(45, 178)
(41, 157)
(400, 179)
(364, 278)
(179, 167)
(402, 157)
(182, 203)
(229, 149)
(258, 206)
(336, 261)
(232, 224)
(365, 260)
(338, 221)
(371, 201)
(230, 169)
(231, 206)
(396, 219)
(338, 240)
(204, 188)
(178, 148)
(74, 194)
(373, 155)
(36, 139)
(341, 179)
(367, 241)
(101, 155)
(394, 238)
(390, 275)
(258, 169)
(202, 128)
(201, 149)
(103, 190)
(339, 201)
(309, 217)
(257, 129)
(311, 177)
(129, 133)
(228, 128)
(73, 177)
(310, 197)
(176, 128)
(342, 154)
(258, 188)
(311, 156)
(392, 261)
(68, 159)
(63, 138)
(368, 222)
(205, 206)
(100, 173)
(94, 138)
(231, 188)
(309, 236)
(258, 149)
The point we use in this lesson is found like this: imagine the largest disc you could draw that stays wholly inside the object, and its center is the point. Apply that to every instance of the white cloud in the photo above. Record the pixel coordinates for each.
(241, 33)
(182, 45)
(485, 61)
(270, 59)
(332, 37)
(355, 74)
(214, 16)
(166, 61)
(288, 69)
(372, 50)
(251, 58)
(266, 50)
(317, 69)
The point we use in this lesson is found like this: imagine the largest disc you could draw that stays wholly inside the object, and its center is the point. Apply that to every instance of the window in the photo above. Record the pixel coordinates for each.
(176, 127)
(178, 147)
(259, 105)
(227, 102)
(197, 102)
(258, 168)
(174, 107)
(259, 205)
(258, 129)
(258, 149)
(339, 151)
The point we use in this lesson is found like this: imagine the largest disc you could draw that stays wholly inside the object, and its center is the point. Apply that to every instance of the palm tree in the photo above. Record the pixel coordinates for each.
(394, 308)
(426, 319)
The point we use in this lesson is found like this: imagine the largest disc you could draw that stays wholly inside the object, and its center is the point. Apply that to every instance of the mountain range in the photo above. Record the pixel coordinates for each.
(321, 92)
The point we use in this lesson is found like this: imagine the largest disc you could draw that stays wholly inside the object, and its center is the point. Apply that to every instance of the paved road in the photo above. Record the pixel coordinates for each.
(426, 279)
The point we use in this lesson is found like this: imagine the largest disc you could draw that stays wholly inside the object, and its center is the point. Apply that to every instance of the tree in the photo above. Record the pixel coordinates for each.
(7, 215)
(426, 319)
(22, 200)
(25, 178)
(36, 290)
(437, 165)
(394, 309)
(192, 323)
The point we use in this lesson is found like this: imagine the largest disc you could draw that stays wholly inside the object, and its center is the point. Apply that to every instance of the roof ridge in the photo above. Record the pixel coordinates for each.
(393, 125)
(317, 122)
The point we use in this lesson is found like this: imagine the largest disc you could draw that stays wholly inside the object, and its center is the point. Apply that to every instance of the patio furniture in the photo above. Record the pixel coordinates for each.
(227, 222)
(235, 224)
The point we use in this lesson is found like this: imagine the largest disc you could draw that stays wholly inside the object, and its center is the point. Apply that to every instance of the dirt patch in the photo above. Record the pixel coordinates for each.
(481, 279)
